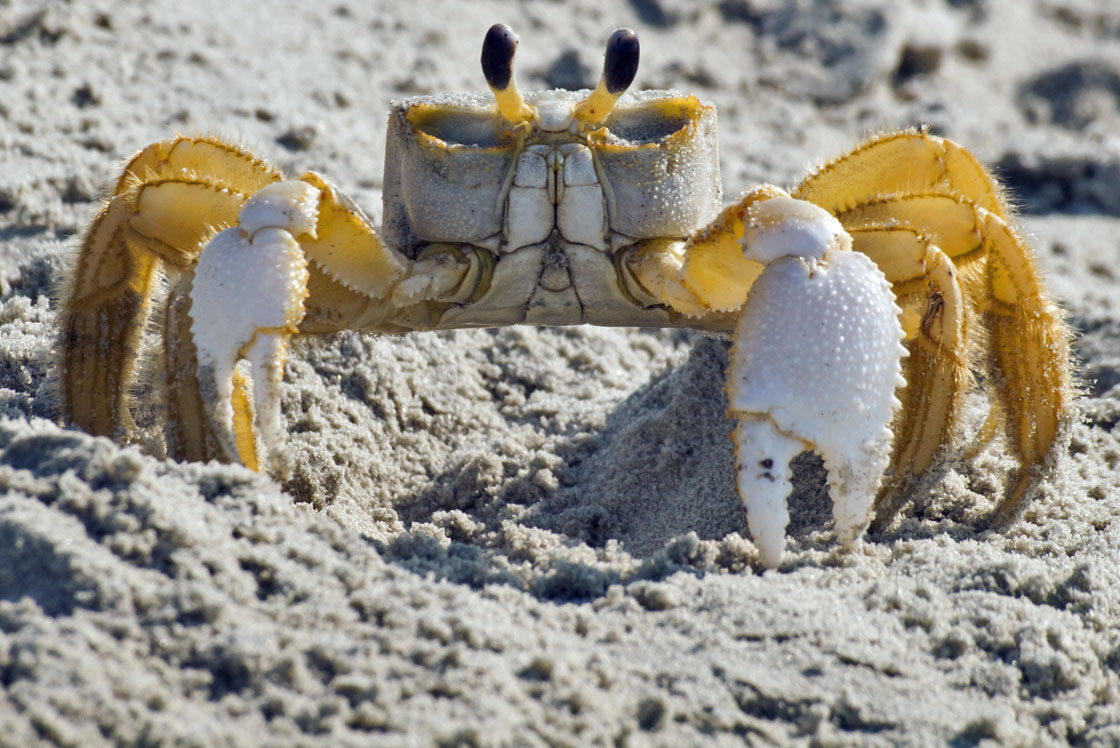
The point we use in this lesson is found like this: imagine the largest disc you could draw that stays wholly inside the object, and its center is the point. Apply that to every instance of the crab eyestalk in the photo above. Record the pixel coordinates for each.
(620, 65)
(498, 49)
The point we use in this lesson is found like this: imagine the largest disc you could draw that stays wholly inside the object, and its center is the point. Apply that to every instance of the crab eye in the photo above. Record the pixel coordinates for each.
(620, 64)
(498, 49)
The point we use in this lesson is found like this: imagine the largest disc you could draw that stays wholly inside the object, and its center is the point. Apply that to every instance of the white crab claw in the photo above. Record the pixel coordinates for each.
(246, 300)
(815, 366)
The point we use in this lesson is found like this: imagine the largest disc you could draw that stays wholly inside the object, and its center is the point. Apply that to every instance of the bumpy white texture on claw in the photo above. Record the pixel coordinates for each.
(816, 362)
(246, 299)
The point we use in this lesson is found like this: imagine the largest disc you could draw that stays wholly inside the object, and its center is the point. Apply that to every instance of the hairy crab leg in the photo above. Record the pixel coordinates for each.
(939, 328)
(932, 185)
(1028, 372)
(166, 200)
(1031, 350)
(901, 163)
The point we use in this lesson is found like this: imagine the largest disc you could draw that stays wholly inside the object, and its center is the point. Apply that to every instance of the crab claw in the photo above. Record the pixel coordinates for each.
(815, 364)
(246, 301)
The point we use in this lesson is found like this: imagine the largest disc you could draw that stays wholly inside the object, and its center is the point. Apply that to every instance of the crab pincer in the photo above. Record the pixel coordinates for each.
(816, 360)
(247, 300)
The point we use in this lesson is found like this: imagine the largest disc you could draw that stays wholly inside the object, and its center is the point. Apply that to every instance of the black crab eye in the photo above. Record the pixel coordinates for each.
(620, 64)
(498, 49)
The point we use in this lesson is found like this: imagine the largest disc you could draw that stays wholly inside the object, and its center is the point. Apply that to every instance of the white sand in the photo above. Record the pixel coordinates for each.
(525, 536)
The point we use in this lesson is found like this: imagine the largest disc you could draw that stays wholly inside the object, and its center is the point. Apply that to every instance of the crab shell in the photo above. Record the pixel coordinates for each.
(560, 207)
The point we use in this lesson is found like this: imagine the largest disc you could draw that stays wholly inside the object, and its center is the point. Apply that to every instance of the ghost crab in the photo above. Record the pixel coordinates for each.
(884, 271)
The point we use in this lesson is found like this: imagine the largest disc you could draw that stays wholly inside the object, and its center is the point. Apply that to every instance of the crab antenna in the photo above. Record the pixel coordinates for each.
(498, 49)
(620, 65)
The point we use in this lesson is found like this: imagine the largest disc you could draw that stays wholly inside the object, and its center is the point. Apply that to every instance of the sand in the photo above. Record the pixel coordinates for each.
(531, 536)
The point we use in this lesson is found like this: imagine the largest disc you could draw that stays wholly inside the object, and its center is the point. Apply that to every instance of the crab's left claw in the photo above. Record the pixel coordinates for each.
(815, 364)
(247, 299)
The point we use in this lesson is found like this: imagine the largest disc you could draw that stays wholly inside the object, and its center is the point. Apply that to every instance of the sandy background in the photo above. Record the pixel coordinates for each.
(531, 536)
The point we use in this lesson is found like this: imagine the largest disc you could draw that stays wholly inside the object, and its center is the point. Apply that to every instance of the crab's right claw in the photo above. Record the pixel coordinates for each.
(815, 365)
(247, 299)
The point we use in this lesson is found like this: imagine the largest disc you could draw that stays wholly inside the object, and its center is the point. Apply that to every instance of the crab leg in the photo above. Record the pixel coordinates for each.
(933, 186)
(994, 276)
(1031, 349)
(161, 211)
(907, 162)
(937, 322)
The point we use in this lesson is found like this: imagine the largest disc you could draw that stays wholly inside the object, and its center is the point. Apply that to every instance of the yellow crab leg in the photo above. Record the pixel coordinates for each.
(346, 246)
(716, 269)
(186, 157)
(106, 301)
(188, 432)
(174, 217)
(103, 312)
(1031, 349)
(900, 163)
(1031, 383)
(106, 306)
(950, 222)
(708, 272)
(936, 317)
(936, 371)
